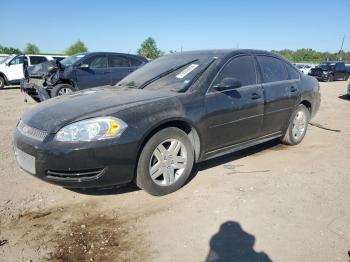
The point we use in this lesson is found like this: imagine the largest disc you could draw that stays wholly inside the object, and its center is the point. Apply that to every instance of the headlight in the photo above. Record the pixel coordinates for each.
(93, 129)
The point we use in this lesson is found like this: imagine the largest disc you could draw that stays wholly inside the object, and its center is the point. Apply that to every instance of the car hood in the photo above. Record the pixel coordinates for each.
(57, 112)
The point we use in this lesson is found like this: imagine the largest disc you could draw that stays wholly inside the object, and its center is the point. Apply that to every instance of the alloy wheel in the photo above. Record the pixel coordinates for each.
(168, 162)
(299, 125)
(64, 91)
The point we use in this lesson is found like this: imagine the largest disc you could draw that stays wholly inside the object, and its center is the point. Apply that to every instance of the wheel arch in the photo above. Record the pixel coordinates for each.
(4, 77)
(183, 125)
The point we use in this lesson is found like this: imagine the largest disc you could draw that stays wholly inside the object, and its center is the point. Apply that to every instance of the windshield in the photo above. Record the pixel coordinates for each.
(326, 66)
(173, 72)
(71, 60)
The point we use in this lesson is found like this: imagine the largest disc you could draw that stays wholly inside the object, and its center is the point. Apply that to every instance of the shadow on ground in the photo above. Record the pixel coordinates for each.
(233, 244)
(344, 97)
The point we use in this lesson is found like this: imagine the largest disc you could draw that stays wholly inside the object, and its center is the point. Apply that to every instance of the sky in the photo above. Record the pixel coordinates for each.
(121, 26)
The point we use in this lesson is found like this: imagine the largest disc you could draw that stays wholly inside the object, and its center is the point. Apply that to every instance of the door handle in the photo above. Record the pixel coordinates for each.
(293, 89)
(255, 96)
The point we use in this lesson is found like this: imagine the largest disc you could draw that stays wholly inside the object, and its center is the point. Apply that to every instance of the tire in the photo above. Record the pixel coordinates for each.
(60, 89)
(295, 135)
(346, 77)
(2, 82)
(164, 183)
(330, 78)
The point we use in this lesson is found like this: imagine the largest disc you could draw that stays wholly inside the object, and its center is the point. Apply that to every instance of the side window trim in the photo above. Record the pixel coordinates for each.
(210, 91)
(260, 69)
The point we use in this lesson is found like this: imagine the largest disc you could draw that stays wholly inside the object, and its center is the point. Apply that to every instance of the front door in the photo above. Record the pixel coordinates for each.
(96, 74)
(234, 115)
(14, 69)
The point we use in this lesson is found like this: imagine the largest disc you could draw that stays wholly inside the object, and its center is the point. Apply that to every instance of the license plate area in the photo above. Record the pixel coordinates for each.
(25, 161)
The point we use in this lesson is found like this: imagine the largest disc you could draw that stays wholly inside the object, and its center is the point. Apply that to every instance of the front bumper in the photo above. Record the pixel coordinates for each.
(76, 165)
(38, 93)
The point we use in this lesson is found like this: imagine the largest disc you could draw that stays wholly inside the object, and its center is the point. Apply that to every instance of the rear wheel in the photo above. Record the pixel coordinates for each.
(297, 126)
(2, 82)
(61, 89)
(165, 162)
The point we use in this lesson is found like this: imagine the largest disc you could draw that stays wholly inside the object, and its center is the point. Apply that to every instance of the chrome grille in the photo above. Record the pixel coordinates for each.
(31, 132)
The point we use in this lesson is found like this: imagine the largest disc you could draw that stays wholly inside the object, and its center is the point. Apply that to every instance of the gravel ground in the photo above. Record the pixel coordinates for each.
(267, 203)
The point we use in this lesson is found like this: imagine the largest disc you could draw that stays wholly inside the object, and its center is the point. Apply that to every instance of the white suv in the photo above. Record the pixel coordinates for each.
(11, 69)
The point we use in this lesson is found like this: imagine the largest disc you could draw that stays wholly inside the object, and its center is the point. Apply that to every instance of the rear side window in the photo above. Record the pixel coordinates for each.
(242, 68)
(34, 60)
(118, 61)
(293, 73)
(272, 69)
(98, 61)
(134, 62)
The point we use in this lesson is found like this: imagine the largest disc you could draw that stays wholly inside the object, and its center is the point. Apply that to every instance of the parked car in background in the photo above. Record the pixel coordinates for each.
(305, 69)
(11, 69)
(175, 111)
(79, 72)
(348, 91)
(330, 71)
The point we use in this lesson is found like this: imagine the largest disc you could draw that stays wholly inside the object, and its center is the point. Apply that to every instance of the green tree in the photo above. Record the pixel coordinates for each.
(149, 49)
(77, 47)
(31, 49)
(9, 50)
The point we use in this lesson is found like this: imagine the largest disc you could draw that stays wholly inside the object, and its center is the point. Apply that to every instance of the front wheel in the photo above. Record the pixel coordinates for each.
(297, 126)
(61, 89)
(330, 78)
(165, 162)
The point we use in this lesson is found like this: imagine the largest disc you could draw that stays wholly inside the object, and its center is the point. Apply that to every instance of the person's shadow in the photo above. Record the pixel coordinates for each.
(233, 244)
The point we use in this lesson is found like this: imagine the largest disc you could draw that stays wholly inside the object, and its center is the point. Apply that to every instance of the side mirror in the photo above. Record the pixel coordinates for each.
(228, 83)
(84, 66)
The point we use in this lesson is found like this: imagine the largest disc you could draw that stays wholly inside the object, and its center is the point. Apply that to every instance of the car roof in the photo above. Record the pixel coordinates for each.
(225, 52)
(109, 53)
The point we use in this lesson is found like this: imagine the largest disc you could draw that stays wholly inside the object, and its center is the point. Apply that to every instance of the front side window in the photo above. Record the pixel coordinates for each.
(34, 60)
(98, 61)
(17, 60)
(71, 60)
(118, 61)
(241, 68)
(272, 69)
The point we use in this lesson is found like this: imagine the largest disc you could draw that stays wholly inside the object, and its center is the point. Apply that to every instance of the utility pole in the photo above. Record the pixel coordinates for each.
(341, 48)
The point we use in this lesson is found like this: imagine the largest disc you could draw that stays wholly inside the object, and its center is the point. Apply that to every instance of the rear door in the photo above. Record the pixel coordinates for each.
(280, 93)
(97, 74)
(234, 115)
(120, 67)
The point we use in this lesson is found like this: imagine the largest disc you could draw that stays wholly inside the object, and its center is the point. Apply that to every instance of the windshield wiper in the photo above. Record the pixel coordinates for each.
(164, 74)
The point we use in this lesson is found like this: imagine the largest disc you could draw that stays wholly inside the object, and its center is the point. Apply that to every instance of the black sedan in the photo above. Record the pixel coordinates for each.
(157, 122)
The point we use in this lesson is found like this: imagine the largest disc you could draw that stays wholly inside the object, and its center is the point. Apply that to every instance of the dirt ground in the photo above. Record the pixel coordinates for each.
(267, 203)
